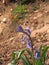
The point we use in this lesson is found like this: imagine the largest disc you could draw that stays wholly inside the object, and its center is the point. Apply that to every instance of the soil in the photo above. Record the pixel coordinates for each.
(10, 40)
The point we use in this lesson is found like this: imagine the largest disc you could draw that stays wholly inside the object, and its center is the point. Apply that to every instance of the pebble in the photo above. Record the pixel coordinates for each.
(11, 9)
(4, 19)
(41, 36)
(9, 64)
(35, 18)
(39, 40)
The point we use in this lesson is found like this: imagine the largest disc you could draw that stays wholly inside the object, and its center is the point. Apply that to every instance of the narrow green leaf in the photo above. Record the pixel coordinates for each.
(15, 61)
(38, 62)
(13, 55)
(21, 52)
(40, 47)
(44, 52)
(31, 54)
(25, 61)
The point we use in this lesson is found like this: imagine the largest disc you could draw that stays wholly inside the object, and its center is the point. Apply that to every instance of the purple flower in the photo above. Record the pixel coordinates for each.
(36, 55)
(24, 38)
(19, 29)
(29, 44)
(28, 30)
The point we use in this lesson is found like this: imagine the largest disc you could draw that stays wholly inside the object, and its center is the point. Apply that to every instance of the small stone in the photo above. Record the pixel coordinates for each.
(38, 40)
(4, 20)
(3, 1)
(1, 22)
(34, 18)
(11, 9)
(9, 64)
(41, 36)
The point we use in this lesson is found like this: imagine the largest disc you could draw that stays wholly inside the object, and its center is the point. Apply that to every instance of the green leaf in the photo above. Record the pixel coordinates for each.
(16, 52)
(20, 56)
(38, 62)
(40, 48)
(44, 53)
(25, 61)
(14, 60)
(13, 55)
(20, 9)
(26, 14)
(31, 54)
(21, 52)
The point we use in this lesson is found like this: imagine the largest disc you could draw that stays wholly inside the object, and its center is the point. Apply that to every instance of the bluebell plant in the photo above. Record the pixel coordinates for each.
(38, 58)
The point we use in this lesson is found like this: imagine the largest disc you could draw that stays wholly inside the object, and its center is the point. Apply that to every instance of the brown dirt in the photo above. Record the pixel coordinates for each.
(10, 40)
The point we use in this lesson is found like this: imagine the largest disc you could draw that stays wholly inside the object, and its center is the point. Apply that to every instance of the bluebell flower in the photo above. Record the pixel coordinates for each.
(36, 55)
(24, 38)
(28, 44)
(19, 29)
(28, 30)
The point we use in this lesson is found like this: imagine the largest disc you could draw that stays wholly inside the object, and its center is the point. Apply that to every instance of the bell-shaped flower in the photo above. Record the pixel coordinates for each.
(28, 44)
(36, 55)
(24, 38)
(20, 29)
(28, 30)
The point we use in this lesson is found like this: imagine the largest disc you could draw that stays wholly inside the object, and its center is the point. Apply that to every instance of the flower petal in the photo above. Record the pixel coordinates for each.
(29, 44)
(36, 55)
(24, 38)
(28, 30)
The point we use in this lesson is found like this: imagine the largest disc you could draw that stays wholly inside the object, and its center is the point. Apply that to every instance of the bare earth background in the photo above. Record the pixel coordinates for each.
(10, 40)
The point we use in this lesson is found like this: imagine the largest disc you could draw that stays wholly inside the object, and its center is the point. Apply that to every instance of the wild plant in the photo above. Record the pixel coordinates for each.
(20, 12)
(38, 58)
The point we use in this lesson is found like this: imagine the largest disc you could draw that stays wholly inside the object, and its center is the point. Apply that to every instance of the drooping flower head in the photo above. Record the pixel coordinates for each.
(36, 55)
(19, 29)
(28, 44)
(25, 37)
